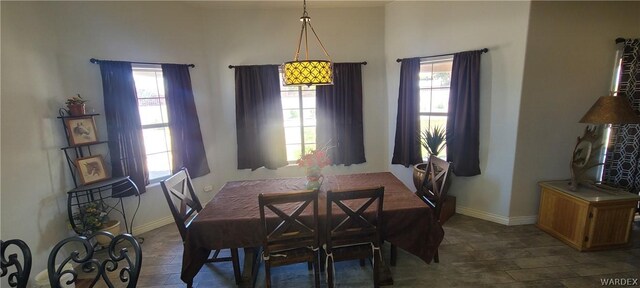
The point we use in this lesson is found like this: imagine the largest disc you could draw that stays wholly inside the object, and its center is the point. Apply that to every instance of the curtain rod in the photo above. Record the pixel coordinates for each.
(483, 50)
(619, 40)
(362, 63)
(97, 61)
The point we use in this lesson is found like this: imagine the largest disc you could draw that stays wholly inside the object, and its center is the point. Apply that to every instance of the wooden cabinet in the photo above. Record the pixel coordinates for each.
(586, 219)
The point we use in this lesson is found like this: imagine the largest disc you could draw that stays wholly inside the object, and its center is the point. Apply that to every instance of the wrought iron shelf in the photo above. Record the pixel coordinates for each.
(83, 145)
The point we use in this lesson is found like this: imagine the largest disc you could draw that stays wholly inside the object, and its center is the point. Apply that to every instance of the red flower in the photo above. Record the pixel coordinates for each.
(315, 159)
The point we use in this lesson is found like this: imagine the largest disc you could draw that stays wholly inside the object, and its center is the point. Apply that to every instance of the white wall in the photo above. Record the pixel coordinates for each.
(569, 64)
(46, 49)
(415, 29)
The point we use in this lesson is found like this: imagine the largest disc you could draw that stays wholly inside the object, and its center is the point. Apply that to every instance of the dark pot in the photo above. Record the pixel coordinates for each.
(76, 109)
(419, 171)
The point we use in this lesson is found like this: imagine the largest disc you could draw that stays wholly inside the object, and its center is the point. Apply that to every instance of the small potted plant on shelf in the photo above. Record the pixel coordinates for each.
(75, 105)
(93, 217)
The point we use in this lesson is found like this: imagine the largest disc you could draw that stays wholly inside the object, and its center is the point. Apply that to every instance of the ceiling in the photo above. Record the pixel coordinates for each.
(268, 4)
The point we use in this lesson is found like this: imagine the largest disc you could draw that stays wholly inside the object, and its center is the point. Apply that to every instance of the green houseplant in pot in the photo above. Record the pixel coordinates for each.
(75, 105)
(433, 140)
(93, 217)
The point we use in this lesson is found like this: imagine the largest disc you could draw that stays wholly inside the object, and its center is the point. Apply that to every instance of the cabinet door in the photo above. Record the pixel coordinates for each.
(610, 224)
(563, 217)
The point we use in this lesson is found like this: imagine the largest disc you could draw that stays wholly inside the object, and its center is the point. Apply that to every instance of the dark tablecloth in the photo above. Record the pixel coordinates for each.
(232, 218)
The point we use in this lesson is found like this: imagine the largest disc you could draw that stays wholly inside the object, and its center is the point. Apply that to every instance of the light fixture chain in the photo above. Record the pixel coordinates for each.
(295, 57)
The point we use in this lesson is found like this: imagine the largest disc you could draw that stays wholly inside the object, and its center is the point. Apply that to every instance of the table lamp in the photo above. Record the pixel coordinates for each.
(607, 110)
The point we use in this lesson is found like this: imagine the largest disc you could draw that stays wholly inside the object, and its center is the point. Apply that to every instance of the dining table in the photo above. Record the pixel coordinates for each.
(231, 219)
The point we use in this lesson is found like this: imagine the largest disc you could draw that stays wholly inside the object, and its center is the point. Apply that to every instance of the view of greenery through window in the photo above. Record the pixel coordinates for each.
(299, 111)
(435, 81)
(152, 107)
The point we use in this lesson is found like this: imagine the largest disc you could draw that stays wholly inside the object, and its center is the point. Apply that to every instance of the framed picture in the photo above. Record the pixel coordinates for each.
(81, 130)
(91, 169)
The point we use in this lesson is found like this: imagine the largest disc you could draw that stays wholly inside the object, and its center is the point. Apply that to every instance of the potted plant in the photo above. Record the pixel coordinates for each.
(93, 217)
(75, 105)
(313, 162)
(433, 140)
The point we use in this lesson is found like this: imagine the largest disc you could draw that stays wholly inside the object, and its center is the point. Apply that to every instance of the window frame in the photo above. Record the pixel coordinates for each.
(432, 61)
(165, 122)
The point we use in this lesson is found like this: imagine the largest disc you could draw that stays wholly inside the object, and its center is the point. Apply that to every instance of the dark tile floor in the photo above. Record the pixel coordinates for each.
(474, 253)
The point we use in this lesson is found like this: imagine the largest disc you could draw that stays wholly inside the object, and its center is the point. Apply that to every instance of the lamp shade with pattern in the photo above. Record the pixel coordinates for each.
(611, 110)
(308, 72)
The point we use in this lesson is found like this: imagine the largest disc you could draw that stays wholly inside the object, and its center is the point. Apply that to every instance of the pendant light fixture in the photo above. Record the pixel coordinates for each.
(307, 72)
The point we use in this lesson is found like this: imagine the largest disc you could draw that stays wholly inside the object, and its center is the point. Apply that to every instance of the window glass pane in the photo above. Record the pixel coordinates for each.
(292, 135)
(152, 111)
(441, 79)
(309, 117)
(290, 99)
(309, 147)
(425, 100)
(293, 152)
(156, 139)
(309, 99)
(428, 123)
(440, 100)
(309, 135)
(147, 83)
(159, 165)
(291, 117)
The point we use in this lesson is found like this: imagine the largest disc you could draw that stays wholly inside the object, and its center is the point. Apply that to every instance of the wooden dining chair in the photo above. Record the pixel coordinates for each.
(185, 205)
(22, 268)
(356, 234)
(117, 266)
(433, 192)
(292, 237)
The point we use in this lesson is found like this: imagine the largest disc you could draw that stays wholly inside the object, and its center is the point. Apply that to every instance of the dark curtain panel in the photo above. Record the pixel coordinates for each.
(259, 120)
(126, 145)
(622, 167)
(339, 115)
(187, 149)
(463, 122)
(407, 146)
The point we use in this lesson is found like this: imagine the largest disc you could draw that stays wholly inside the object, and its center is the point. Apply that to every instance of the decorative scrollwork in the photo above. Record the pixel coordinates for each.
(20, 277)
(101, 267)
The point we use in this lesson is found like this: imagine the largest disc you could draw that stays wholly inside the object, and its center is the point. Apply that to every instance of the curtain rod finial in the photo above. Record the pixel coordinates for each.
(485, 50)
(93, 60)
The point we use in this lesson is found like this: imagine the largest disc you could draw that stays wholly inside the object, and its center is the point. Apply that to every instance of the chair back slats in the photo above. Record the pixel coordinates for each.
(357, 225)
(117, 266)
(436, 183)
(289, 230)
(20, 276)
(182, 199)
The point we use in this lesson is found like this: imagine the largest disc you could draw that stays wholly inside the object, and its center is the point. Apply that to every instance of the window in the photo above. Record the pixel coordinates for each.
(299, 111)
(435, 81)
(153, 116)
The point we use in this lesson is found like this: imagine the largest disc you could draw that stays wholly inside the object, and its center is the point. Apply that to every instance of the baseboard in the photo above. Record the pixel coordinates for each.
(517, 220)
(152, 225)
(523, 220)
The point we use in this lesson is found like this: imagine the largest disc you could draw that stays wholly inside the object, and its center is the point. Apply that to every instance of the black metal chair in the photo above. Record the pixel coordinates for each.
(185, 205)
(122, 259)
(433, 192)
(289, 238)
(357, 235)
(20, 277)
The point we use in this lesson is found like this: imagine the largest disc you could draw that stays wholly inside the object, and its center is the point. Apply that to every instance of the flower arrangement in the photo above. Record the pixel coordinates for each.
(90, 218)
(75, 100)
(314, 161)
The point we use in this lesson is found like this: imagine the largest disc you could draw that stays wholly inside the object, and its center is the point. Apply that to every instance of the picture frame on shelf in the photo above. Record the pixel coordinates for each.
(91, 169)
(81, 130)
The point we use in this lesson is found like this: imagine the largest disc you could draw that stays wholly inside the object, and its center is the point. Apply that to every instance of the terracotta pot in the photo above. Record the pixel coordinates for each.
(76, 109)
(113, 227)
(419, 171)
